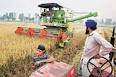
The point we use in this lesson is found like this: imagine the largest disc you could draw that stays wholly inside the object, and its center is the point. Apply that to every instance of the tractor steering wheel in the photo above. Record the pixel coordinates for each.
(103, 69)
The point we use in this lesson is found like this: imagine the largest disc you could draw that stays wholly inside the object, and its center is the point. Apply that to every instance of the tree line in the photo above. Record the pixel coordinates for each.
(12, 16)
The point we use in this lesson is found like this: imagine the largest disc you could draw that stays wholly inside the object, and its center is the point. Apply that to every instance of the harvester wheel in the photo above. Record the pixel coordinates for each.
(103, 69)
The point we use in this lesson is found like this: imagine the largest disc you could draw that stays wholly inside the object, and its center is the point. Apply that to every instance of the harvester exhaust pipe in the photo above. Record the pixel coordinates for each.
(112, 41)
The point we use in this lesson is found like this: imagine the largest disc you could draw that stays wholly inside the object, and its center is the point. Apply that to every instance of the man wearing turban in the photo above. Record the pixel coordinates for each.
(93, 44)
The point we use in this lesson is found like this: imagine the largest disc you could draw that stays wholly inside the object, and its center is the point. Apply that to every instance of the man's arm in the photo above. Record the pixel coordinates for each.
(50, 59)
(106, 46)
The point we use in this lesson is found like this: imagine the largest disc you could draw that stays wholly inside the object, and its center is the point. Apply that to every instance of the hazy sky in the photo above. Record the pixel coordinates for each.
(105, 8)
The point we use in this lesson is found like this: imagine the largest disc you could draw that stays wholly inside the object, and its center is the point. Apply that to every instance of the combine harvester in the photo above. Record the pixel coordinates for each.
(53, 17)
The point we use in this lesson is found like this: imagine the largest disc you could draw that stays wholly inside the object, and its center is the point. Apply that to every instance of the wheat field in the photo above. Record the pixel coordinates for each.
(17, 46)
(16, 50)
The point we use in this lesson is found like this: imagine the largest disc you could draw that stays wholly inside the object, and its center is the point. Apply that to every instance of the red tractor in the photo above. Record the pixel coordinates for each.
(56, 69)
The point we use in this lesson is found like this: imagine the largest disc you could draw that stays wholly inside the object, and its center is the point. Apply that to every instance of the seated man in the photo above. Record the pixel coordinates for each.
(40, 57)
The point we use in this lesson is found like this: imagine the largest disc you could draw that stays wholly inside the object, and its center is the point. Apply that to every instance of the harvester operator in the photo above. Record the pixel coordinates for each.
(62, 38)
(93, 44)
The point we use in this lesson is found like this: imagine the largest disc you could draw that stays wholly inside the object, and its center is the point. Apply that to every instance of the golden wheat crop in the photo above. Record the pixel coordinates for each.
(15, 45)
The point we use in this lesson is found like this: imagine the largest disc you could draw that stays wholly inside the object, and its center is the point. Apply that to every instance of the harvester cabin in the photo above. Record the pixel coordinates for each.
(53, 17)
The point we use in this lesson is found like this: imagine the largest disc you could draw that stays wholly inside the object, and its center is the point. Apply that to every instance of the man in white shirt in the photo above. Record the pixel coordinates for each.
(93, 44)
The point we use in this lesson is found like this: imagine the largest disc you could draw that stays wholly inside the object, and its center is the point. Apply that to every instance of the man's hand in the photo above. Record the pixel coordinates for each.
(97, 56)
(33, 67)
(38, 62)
(114, 50)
